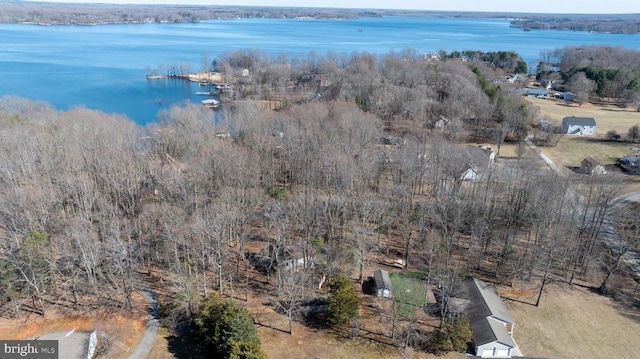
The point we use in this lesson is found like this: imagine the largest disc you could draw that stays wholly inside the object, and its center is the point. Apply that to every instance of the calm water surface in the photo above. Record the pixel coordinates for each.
(104, 67)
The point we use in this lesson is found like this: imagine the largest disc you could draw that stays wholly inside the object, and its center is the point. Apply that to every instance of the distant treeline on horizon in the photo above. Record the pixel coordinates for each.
(20, 12)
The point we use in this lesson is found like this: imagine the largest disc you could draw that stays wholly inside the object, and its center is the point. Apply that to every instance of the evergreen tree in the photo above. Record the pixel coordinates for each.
(227, 329)
(343, 301)
(453, 335)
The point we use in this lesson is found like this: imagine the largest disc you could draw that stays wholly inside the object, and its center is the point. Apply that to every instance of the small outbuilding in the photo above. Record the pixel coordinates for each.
(579, 126)
(383, 283)
(591, 166)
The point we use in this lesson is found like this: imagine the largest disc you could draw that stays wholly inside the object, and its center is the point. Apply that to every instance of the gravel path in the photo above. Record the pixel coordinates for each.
(153, 323)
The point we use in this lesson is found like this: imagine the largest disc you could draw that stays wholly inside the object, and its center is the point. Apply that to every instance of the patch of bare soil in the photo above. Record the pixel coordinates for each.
(118, 332)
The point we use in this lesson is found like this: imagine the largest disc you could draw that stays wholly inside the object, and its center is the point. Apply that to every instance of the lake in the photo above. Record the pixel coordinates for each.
(103, 67)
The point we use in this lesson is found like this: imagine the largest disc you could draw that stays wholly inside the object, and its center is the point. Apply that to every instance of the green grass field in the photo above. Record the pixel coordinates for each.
(409, 292)
(571, 150)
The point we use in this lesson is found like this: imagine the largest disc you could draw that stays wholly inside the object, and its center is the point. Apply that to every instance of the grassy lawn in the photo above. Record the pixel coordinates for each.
(574, 322)
(408, 291)
(571, 150)
(607, 117)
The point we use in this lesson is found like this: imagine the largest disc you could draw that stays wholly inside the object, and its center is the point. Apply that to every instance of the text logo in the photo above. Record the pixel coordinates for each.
(29, 349)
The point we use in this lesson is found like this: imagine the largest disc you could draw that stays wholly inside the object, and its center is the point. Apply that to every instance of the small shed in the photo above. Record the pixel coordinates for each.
(579, 125)
(591, 166)
(383, 283)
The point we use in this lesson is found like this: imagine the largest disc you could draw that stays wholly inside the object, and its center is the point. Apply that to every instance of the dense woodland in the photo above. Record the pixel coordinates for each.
(314, 167)
(18, 11)
(595, 72)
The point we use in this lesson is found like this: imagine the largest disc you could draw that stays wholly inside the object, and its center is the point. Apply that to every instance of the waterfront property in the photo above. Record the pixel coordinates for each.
(211, 103)
(77, 78)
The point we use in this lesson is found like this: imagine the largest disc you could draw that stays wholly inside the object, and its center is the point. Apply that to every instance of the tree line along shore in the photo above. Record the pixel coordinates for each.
(322, 170)
(18, 12)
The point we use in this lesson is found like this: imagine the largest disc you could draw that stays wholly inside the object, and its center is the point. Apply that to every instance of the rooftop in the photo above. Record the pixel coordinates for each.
(580, 121)
(382, 279)
(486, 311)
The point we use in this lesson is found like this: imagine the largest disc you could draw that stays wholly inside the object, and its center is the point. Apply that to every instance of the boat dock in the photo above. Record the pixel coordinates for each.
(211, 103)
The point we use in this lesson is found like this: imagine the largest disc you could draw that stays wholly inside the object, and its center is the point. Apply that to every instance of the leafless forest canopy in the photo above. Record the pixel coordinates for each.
(614, 24)
(331, 162)
(92, 14)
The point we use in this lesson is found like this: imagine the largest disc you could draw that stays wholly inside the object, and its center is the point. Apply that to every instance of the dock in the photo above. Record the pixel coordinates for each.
(211, 103)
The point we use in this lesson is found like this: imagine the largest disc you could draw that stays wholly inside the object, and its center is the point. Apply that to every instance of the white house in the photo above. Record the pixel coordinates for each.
(478, 159)
(383, 283)
(579, 126)
(491, 322)
(470, 174)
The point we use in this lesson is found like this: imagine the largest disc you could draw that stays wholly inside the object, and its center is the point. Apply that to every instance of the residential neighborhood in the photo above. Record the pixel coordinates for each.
(450, 204)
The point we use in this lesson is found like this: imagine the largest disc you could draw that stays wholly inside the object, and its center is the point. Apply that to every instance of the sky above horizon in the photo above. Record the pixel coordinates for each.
(557, 7)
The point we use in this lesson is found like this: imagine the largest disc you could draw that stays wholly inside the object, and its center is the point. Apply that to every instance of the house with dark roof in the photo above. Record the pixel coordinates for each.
(579, 126)
(491, 322)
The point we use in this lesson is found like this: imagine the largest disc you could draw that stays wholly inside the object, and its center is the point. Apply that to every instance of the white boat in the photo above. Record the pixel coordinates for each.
(210, 103)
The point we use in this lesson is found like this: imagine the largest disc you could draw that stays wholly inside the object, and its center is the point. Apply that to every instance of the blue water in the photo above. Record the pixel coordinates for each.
(104, 67)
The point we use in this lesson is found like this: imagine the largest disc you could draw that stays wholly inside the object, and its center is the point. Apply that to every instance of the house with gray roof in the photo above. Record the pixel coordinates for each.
(579, 125)
(538, 93)
(491, 322)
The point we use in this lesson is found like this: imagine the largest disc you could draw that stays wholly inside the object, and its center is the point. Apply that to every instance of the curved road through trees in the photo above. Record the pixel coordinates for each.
(608, 233)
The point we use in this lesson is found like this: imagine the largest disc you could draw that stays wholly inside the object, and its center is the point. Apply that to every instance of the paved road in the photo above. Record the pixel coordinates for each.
(607, 232)
(153, 322)
(609, 235)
